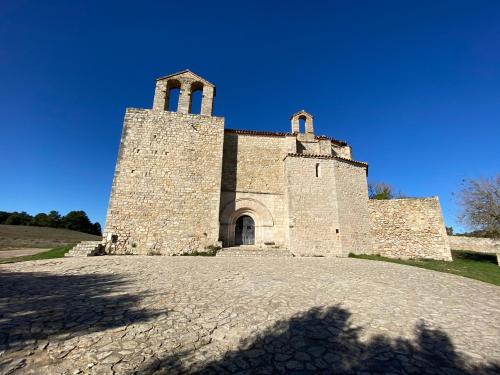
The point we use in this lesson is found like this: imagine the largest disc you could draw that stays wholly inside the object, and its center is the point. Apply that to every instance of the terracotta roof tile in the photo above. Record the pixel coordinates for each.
(255, 132)
(315, 156)
(280, 134)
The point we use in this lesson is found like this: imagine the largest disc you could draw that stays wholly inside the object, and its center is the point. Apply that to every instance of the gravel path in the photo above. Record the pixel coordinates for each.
(134, 314)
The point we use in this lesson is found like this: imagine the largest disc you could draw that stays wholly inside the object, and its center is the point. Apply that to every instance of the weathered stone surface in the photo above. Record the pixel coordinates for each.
(477, 244)
(409, 228)
(140, 314)
(182, 181)
(253, 184)
(166, 190)
(86, 249)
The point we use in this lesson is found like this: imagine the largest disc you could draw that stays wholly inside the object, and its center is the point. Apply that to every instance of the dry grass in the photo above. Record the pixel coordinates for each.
(19, 236)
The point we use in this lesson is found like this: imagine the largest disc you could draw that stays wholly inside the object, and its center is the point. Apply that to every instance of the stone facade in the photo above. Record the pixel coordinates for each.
(354, 215)
(253, 184)
(313, 206)
(183, 183)
(408, 229)
(166, 189)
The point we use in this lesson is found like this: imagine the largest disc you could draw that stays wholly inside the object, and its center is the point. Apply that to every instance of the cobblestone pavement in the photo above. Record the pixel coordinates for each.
(133, 314)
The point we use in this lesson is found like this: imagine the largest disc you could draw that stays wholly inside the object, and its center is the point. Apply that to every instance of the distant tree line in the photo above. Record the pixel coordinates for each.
(475, 233)
(74, 220)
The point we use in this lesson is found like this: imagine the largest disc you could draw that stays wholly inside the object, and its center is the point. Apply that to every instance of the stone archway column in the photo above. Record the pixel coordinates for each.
(184, 98)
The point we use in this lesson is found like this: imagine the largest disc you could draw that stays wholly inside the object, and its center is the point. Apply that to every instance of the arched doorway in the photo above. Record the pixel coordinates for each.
(244, 231)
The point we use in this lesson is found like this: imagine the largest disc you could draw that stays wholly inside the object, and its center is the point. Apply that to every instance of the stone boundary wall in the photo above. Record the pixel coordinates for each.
(477, 244)
(409, 229)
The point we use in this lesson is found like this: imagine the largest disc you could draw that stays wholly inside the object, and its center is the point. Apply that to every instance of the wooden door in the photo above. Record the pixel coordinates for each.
(244, 232)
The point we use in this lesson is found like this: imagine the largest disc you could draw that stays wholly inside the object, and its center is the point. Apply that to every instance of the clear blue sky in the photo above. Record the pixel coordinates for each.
(413, 86)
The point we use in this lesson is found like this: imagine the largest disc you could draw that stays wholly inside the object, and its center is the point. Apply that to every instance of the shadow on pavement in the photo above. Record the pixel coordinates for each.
(38, 306)
(323, 341)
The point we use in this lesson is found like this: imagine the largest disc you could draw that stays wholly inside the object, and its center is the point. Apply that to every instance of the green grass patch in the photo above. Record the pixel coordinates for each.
(210, 251)
(483, 267)
(57, 252)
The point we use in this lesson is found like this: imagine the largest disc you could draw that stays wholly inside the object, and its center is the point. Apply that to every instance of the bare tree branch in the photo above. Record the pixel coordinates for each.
(479, 201)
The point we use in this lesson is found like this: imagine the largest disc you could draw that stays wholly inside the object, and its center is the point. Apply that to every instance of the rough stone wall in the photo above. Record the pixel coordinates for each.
(409, 229)
(354, 216)
(325, 147)
(253, 163)
(308, 144)
(312, 207)
(166, 188)
(477, 244)
(253, 178)
(342, 151)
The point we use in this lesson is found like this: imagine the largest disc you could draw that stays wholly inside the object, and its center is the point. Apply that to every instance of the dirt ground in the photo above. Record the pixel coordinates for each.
(19, 252)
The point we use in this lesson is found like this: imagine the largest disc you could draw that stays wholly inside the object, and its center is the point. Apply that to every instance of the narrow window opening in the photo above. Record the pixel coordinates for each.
(196, 98)
(318, 170)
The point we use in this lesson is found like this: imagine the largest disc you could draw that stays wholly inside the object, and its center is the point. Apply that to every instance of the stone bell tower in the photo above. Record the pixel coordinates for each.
(188, 83)
(166, 188)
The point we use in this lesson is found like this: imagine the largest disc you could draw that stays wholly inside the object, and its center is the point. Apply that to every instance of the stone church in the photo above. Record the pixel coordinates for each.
(184, 183)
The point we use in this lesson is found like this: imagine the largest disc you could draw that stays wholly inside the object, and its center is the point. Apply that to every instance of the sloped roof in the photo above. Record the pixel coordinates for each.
(257, 132)
(281, 134)
(348, 161)
(187, 71)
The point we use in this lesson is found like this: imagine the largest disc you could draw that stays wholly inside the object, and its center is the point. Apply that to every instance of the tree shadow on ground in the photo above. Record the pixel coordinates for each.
(38, 306)
(479, 257)
(324, 341)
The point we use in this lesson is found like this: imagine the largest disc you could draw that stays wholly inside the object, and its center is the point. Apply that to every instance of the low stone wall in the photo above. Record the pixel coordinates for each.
(476, 244)
(408, 229)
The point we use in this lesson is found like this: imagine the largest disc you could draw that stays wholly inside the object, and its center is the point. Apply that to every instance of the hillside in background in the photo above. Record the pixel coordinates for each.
(20, 236)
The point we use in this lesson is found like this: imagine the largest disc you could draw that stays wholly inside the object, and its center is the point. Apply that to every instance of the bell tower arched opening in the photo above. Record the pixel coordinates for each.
(172, 95)
(302, 122)
(184, 92)
(196, 98)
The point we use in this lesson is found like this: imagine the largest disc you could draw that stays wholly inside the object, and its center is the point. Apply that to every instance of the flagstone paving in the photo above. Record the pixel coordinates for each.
(142, 315)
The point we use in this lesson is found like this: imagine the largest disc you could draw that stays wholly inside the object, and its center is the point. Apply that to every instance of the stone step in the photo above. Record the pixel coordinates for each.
(86, 249)
(242, 251)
